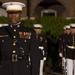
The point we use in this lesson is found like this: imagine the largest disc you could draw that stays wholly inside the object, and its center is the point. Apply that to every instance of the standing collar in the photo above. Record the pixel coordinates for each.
(17, 24)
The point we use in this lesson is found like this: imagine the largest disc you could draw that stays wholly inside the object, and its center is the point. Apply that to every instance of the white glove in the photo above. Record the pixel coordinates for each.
(41, 47)
(44, 58)
(60, 54)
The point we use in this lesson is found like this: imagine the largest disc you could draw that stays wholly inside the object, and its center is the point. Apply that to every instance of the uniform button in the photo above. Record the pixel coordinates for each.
(14, 51)
(14, 44)
(24, 40)
(14, 36)
(14, 30)
(2, 40)
(27, 66)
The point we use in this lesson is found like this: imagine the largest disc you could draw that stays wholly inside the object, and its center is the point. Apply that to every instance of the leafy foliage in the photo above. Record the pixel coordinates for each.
(3, 20)
(52, 26)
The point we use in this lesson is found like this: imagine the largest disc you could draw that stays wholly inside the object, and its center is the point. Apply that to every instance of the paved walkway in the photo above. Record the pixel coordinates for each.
(52, 73)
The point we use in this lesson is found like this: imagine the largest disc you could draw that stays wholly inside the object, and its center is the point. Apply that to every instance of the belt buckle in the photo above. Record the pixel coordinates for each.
(14, 58)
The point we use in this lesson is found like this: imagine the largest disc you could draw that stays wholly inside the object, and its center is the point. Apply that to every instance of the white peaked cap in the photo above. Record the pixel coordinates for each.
(37, 26)
(72, 25)
(13, 6)
(67, 26)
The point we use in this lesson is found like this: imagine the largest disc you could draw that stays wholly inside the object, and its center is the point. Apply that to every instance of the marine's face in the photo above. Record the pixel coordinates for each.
(72, 30)
(14, 17)
(68, 31)
(38, 31)
(64, 31)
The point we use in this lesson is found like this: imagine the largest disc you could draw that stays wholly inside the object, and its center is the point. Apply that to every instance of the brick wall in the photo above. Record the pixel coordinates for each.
(66, 9)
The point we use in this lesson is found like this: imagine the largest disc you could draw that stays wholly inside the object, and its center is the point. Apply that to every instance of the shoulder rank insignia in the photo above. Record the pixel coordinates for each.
(3, 36)
(26, 35)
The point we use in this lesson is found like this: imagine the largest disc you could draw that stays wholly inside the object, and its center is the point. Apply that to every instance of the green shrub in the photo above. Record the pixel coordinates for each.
(3, 19)
(52, 26)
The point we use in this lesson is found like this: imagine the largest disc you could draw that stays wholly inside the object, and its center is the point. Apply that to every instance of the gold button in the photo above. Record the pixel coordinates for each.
(14, 51)
(26, 65)
(2, 40)
(24, 40)
(14, 44)
(14, 30)
(14, 36)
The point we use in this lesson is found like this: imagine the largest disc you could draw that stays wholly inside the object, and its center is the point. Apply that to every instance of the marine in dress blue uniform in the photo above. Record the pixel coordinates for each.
(62, 48)
(18, 45)
(70, 51)
(42, 45)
